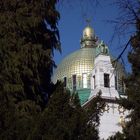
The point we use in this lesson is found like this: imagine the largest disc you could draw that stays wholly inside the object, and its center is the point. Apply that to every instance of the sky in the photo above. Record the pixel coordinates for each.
(72, 22)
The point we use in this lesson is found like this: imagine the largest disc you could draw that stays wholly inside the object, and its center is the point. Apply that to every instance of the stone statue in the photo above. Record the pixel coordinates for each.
(102, 49)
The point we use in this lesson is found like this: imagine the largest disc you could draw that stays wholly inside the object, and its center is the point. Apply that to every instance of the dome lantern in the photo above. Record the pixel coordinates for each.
(88, 39)
(88, 32)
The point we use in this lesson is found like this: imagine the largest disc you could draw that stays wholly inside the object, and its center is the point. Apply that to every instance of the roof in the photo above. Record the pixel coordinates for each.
(78, 62)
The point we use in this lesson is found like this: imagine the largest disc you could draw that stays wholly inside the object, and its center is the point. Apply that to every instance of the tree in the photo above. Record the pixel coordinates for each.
(65, 119)
(132, 129)
(28, 37)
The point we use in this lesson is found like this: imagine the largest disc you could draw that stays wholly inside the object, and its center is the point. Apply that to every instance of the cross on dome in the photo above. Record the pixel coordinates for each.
(88, 21)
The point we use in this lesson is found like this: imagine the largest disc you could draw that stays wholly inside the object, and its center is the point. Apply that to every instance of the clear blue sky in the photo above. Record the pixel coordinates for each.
(72, 22)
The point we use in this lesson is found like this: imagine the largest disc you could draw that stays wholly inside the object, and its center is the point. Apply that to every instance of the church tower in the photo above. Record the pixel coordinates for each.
(103, 74)
(103, 80)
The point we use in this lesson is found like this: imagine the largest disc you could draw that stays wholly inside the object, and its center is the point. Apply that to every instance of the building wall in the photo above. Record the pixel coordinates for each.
(112, 120)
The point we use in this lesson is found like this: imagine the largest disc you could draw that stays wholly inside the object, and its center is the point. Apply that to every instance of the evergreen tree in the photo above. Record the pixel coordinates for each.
(65, 119)
(28, 37)
(132, 129)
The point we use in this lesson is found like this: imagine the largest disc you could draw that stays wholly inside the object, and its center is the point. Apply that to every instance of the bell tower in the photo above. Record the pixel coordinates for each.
(103, 74)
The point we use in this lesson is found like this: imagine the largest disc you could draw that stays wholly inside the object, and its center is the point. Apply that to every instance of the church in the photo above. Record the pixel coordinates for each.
(91, 69)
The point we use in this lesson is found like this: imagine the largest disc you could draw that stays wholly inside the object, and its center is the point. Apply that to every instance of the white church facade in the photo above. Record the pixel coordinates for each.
(103, 80)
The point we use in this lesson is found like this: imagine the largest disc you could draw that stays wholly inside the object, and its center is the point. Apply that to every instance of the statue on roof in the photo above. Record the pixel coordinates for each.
(102, 49)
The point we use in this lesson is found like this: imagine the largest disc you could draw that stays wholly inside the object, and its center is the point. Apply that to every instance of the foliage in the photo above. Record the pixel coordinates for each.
(27, 40)
(132, 129)
(95, 109)
(64, 119)
(28, 37)
(117, 136)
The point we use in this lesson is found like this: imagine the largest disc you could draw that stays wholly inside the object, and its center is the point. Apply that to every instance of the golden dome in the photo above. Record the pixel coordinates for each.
(77, 63)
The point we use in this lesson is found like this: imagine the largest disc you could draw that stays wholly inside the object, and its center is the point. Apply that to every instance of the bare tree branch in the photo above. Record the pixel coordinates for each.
(127, 44)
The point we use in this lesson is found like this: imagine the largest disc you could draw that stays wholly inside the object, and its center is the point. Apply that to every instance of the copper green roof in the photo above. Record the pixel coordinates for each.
(83, 95)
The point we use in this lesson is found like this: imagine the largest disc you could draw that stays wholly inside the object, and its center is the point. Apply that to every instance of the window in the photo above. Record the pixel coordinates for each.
(116, 82)
(65, 81)
(84, 80)
(74, 82)
(94, 81)
(106, 80)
